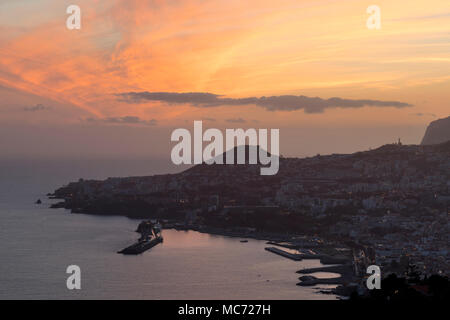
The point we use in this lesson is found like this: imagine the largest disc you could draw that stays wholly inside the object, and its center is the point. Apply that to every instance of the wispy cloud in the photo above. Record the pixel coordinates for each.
(38, 107)
(236, 120)
(420, 114)
(130, 120)
(273, 103)
(423, 17)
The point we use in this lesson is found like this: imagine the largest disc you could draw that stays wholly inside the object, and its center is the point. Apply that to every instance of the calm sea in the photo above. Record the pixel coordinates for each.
(37, 244)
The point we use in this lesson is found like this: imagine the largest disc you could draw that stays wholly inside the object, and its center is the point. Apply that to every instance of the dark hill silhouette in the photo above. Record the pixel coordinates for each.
(235, 166)
(247, 149)
(437, 132)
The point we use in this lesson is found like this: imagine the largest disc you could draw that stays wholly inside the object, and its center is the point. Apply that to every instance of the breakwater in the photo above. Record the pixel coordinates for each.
(324, 259)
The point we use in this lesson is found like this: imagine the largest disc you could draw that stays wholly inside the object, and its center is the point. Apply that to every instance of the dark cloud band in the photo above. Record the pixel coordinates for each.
(38, 107)
(273, 103)
(123, 120)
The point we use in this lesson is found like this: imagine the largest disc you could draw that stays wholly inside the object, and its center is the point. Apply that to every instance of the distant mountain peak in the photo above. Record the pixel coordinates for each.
(246, 149)
(437, 132)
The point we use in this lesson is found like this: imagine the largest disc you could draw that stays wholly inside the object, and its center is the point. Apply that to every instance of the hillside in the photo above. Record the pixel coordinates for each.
(438, 131)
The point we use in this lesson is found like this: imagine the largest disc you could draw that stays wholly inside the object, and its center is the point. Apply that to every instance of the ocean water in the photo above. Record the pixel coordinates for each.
(37, 244)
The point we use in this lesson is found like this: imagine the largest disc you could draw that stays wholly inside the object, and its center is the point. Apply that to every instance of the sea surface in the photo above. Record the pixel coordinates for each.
(37, 244)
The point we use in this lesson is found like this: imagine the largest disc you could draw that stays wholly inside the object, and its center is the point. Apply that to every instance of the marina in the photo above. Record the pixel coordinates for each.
(324, 258)
(343, 267)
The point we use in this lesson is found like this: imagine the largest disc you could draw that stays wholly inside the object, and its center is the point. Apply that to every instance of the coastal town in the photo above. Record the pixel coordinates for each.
(388, 206)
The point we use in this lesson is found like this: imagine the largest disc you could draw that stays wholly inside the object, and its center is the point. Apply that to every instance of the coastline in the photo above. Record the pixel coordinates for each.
(322, 249)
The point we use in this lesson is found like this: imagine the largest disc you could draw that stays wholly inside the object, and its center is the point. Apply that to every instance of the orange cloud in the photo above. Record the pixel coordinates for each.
(239, 48)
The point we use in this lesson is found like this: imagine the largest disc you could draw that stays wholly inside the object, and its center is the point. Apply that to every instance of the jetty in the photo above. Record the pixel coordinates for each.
(324, 258)
(342, 269)
(150, 237)
(307, 281)
(292, 256)
(345, 271)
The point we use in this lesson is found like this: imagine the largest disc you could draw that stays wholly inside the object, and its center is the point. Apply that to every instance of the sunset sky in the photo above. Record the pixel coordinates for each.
(68, 91)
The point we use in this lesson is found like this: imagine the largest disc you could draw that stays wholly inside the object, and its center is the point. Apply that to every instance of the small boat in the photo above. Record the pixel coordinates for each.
(244, 241)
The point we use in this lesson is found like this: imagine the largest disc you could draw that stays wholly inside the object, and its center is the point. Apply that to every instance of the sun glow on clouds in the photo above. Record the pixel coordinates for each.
(236, 48)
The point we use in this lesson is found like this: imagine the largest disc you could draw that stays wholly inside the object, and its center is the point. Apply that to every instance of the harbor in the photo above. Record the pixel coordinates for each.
(324, 258)
(339, 264)
(333, 260)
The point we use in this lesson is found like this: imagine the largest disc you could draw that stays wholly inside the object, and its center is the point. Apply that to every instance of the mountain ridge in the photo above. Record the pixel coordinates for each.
(438, 131)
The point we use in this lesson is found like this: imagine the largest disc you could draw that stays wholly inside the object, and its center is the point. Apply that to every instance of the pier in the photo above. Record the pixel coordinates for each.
(307, 281)
(292, 256)
(324, 258)
(342, 269)
(345, 271)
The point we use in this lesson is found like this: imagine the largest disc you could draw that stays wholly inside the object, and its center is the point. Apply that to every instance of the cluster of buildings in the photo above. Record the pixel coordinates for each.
(393, 200)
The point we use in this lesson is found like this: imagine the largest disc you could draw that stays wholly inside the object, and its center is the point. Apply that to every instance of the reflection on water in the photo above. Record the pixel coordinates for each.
(324, 275)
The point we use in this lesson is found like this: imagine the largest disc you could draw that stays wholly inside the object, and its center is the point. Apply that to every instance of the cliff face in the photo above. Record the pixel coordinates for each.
(438, 131)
